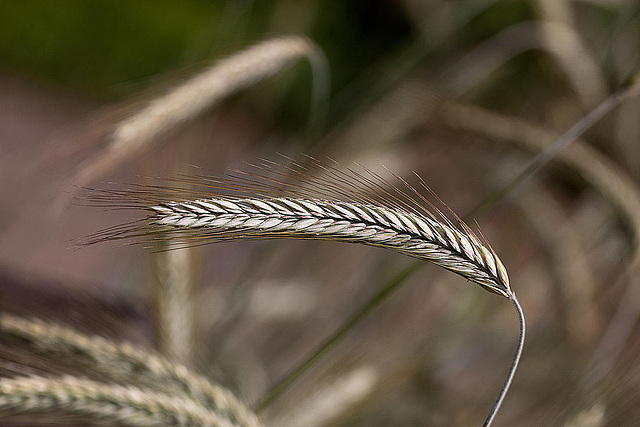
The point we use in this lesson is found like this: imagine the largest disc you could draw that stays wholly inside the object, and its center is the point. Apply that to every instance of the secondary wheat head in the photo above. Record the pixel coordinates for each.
(123, 360)
(126, 405)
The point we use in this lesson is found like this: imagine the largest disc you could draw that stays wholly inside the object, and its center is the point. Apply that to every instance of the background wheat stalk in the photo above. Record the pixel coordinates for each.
(215, 83)
(128, 405)
(128, 361)
(394, 221)
(192, 97)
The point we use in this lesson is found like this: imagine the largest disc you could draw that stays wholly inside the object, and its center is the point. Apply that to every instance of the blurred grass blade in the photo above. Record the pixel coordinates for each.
(545, 156)
(281, 386)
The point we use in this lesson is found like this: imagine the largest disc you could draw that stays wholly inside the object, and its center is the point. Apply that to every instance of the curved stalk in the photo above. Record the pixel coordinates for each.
(514, 364)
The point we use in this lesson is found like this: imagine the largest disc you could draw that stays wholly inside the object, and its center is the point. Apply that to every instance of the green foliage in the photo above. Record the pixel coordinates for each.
(99, 44)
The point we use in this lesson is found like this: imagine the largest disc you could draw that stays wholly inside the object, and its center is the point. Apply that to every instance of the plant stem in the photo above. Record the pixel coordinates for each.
(514, 364)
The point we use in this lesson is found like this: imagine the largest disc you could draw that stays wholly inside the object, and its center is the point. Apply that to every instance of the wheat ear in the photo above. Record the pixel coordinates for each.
(402, 231)
(129, 405)
(113, 357)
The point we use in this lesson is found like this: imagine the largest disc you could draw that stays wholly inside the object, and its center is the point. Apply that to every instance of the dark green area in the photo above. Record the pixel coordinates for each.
(96, 46)
(105, 48)
(110, 49)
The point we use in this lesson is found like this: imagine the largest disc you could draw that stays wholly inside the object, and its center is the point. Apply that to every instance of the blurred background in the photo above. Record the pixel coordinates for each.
(462, 92)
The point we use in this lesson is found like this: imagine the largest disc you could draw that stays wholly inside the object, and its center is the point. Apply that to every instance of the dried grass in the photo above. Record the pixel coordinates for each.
(560, 41)
(610, 180)
(173, 291)
(332, 400)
